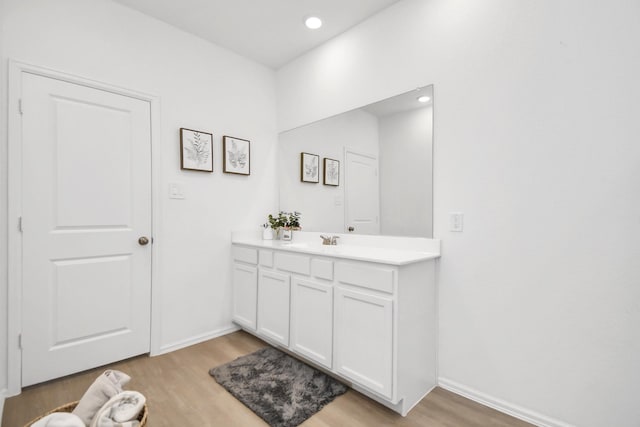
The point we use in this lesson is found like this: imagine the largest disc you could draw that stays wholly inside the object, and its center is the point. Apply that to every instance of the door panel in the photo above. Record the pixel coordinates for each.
(245, 295)
(312, 320)
(108, 279)
(273, 306)
(364, 339)
(86, 201)
(99, 160)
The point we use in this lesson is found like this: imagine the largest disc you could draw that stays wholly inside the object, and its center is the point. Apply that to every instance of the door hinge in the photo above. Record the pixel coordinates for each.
(20, 106)
(20, 224)
(20, 341)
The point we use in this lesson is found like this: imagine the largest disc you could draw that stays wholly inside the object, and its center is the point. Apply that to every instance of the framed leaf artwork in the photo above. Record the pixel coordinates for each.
(236, 155)
(196, 150)
(331, 172)
(309, 168)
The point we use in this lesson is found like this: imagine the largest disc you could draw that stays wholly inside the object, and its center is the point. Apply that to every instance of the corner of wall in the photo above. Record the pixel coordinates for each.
(168, 348)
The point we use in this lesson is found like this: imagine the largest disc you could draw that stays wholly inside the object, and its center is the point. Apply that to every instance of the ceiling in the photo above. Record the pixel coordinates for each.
(271, 32)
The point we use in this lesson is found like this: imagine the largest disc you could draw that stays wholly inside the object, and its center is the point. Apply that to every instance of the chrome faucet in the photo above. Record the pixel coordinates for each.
(329, 240)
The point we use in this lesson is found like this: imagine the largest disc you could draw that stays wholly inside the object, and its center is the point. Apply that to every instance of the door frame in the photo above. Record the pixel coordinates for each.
(14, 211)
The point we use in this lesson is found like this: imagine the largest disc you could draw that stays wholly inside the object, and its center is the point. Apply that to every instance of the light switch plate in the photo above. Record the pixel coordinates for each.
(456, 221)
(176, 191)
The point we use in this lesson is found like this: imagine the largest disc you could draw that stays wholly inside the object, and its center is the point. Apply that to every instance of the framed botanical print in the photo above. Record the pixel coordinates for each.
(236, 154)
(331, 172)
(309, 168)
(196, 150)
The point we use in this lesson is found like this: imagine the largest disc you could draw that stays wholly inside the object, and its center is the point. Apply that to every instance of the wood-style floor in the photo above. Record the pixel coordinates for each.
(180, 393)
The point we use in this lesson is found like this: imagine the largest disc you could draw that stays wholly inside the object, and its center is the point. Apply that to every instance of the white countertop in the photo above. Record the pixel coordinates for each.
(394, 254)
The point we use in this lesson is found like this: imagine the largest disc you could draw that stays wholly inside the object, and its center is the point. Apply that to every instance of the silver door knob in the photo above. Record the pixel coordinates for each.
(351, 229)
(143, 241)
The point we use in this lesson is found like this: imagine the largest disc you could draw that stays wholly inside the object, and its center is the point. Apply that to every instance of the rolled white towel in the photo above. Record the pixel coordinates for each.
(107, 385)
(121, 410)
(60, 419)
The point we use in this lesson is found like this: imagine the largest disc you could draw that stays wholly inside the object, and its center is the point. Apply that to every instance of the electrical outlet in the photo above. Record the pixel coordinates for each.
(456, 221)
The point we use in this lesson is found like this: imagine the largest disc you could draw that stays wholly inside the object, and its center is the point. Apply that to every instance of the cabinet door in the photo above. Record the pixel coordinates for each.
(364, 339)
(312, 320)
(245, 294)
(273, 306)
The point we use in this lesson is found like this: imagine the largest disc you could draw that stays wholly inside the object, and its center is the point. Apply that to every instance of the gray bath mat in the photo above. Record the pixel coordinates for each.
(278, 388)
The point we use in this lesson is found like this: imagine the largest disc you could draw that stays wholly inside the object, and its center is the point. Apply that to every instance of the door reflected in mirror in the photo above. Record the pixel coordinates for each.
(384, 154)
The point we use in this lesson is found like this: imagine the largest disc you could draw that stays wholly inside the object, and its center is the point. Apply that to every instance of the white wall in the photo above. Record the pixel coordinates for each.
(406, 190)
(536, 141)
(201, 87)
(326, 138)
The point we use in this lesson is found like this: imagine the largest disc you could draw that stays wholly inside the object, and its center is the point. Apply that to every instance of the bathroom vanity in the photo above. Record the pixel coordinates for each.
(363, 310)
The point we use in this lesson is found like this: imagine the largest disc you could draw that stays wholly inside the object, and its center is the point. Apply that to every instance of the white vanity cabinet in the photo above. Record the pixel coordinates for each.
(370, 322)
(273, 305)
(364, 339)
(245, 287)
(312, 320)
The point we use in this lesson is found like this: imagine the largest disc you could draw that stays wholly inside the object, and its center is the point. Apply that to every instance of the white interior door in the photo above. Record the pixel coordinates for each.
(362, 193)
(86, 178)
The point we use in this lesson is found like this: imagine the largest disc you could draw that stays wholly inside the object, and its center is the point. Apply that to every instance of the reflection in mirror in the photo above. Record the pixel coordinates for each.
(385, 179)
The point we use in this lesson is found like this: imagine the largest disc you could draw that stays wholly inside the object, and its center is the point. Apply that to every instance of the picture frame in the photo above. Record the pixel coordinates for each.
(196, 150)
(309, 168)
(331, 168)
(236, 155)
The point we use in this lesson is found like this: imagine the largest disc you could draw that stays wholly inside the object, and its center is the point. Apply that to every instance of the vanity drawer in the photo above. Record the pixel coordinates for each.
(266, 258)
(300, 264)
(322, 269)
(365, 276)
(243, 254)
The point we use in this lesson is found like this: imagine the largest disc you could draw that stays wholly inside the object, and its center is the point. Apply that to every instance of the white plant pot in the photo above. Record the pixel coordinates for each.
(267, 234)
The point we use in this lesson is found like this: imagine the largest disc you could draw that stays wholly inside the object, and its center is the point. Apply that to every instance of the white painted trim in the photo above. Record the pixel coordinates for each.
(156, 226)
(197, 339)
(3, 395)
(14, 249)
(14, 124)
(516, 411)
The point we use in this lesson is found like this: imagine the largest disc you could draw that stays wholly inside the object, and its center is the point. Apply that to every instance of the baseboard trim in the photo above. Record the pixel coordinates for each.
(196, 340)
(508, 408)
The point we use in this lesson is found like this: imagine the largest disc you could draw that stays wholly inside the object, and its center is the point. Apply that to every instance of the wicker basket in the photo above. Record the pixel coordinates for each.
(69, 407)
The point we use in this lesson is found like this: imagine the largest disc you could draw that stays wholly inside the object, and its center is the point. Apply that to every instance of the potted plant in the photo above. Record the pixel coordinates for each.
(293, 221)
(283, 223)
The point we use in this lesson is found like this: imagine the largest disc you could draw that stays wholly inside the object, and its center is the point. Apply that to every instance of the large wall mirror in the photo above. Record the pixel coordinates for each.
(385, 174)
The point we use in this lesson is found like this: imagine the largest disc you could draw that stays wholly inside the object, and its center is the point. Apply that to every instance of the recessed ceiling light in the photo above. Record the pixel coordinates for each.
(424, 99)
(313, 22)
